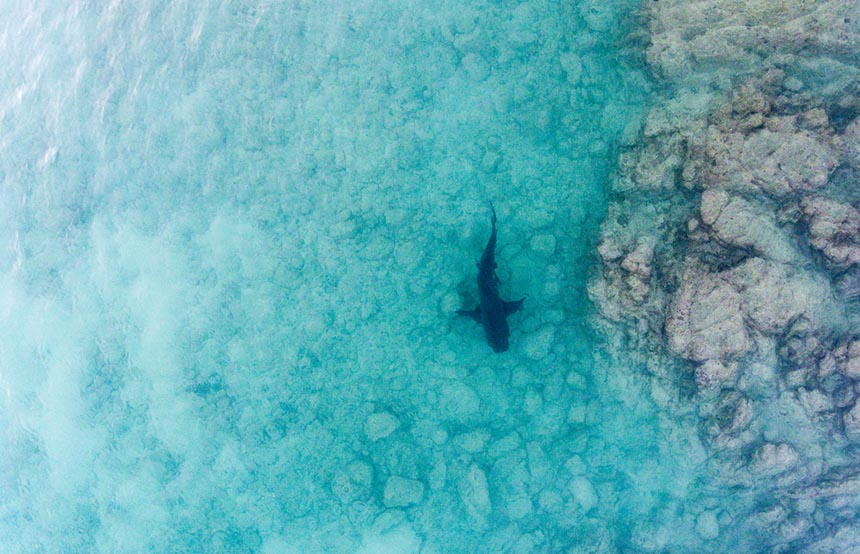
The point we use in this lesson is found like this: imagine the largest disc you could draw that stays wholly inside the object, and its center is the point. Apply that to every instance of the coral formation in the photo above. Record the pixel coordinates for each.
(732, 246)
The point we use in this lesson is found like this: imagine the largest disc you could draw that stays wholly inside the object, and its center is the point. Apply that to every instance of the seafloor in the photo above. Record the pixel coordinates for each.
(234, 238)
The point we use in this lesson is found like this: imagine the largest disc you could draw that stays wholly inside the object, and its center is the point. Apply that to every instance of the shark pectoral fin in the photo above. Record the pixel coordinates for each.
(474, 314)
(513, 305)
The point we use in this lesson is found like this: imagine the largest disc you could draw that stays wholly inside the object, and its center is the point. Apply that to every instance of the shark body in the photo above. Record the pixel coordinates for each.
(492, 312)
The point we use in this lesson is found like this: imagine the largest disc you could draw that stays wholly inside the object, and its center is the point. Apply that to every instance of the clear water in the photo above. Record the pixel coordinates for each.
(234, 237)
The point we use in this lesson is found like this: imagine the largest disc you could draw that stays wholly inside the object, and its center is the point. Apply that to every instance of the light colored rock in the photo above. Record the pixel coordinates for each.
(848, 359)
(522, 26)
(779, 163)
(713, 374)
(848, 285)
(576, 381)
(773, 459)
(851, 144)
(654, 166)
(707, 526)
(845, 540)
(728, 423)
(353, 482)
(538, 344)
(475, 66)
(550, 501)
(748, 100)
(597, 15)
(532, 402)
(575, 465)
(505, 444)
(636, 288)
(794, 527)
(772, 295)
(458, 401)
(814, 401)
(472, 442)
(739, 223)
(706, 321)
(438, 474)
(826, 365)
(361, 473)
(796, 378)
(793, 84)
(572, 65)
(638, 261)
(543, 244)
(583, 493)
(834, 229)
(576, 414)
(847, 485)
(804, 505)
(609, 248)
(851, 420)
(771, 517)
(401, 492)
(815, 118)
(711, 36)
(475, 495)
(379, 425)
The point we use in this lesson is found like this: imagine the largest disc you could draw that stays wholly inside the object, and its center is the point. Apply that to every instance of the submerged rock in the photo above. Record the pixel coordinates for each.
(380, 425)
(778, 160)
(401, 492)
(773, 295)
(713, 314)
(728, 421)
(741, 224)
(848, 285)
(834, 229)
(655, 166)
(538, 344)
(713, 374)
(475, 495)
(847, 359)
(772, 459)
(583, 493)
(705, 39)
(851, 144)
(770, 517)
(707, 526)
(706, 321)
(851, 421)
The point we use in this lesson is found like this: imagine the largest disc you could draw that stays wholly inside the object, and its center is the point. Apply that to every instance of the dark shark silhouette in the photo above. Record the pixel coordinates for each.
(492, 312)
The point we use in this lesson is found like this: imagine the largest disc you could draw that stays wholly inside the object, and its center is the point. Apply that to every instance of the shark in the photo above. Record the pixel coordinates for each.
(492, 312)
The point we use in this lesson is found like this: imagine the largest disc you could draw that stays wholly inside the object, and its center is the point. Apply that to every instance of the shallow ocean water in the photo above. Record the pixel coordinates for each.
(235, 238)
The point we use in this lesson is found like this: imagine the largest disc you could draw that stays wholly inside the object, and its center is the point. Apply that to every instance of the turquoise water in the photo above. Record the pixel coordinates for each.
(234, 241)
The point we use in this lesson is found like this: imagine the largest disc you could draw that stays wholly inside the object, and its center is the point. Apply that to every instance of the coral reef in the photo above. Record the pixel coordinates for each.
(732, 247)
